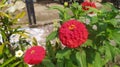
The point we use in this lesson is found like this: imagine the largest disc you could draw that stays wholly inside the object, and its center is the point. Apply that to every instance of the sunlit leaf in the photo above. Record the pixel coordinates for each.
(34, 41)
(16, 63)
(98, 60)
(81, 59)
(52, 36)
(20, 15)
(8, 61)
(1, 48)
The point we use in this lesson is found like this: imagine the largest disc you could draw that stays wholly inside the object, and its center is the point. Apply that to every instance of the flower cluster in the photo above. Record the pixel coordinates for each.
(34, 55)
(73, 33)
(86, 5)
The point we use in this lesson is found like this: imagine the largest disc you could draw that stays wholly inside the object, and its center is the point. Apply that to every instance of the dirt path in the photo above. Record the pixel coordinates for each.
(44, 15)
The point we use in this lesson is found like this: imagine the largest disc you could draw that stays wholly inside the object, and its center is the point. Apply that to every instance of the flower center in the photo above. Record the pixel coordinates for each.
(19, 53)
(71, 27)
(33, 51)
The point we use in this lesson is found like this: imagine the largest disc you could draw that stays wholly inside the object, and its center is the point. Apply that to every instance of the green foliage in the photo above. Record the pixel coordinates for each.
(8, 49)
(8, 61)
(52, 36)
(102, 46)
(103, 43)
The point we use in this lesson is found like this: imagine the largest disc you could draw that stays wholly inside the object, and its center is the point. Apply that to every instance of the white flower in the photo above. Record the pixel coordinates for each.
(87, 21)
(19, 53)
(14, 38)
(94, 27)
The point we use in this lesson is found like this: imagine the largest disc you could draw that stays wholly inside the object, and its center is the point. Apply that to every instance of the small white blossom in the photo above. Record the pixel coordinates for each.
(14, 38)
(94, 27)
(19, 53)
(87, 21)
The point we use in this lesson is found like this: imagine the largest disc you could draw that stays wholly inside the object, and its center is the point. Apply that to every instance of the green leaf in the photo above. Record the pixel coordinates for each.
(4, 14)
(81, 59)
(15, 64)
(88, 43)
(65, 53)
(1, 48)
(60, 63)
(69, 63)
(50, 50)
(60, 9)
(8, 61)
(22, 34)
(111, 49)
(4, 37)
(20, 15)
(113, 22)
(108, 55)
(94, 19)
(47, 63)
(3, 1)
(98, 60)
(34, 41)
(115, 35)
(52, 36)
(3, 5)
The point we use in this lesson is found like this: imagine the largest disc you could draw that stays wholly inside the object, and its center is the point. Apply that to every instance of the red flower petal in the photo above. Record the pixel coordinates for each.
(86, 5)
(34, 55)
(73, 33)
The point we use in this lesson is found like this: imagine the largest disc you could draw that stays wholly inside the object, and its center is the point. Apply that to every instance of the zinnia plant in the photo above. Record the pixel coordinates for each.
(74, 47)
(73, 33)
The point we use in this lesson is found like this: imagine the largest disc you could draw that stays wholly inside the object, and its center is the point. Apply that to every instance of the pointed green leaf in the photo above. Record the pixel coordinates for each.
(81, 59)
(98, 60)
(63, 54)
(34, 41)
(15, 64)
(20, 15)
(8, 61)
(52, 36)
(116, 36)
(1, 48)
(48, 63)
(69, 63)
(108, 55)
(60, 63)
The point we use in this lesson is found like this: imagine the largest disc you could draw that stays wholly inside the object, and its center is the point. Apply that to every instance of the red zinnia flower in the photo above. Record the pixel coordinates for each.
(73, 33)
(86, 5)
(34, 55)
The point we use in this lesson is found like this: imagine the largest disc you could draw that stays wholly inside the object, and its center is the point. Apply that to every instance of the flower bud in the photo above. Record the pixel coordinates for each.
(65, 4)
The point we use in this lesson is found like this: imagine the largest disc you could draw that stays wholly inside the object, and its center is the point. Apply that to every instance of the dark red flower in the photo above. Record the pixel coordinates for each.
(34, 55)
(86, 5)
(73, 33)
